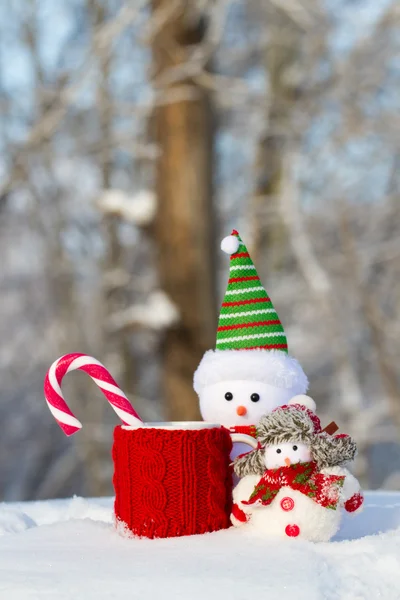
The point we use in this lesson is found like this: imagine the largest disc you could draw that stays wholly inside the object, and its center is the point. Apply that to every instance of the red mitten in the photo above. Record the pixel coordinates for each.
(238, 517)
(354, 503)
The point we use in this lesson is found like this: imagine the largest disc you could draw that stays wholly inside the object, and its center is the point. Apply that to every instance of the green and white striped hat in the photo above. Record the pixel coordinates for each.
(248, 319)
(251, 343)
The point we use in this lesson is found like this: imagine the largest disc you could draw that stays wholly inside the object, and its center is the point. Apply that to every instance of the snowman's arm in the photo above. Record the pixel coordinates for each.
(351, 496)
(242, 492)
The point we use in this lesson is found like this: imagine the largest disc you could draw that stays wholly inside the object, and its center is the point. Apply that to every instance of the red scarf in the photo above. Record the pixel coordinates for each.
(303, 477)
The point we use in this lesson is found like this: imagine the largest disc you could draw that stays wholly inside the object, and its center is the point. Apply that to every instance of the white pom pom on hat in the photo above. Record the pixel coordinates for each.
(303, 400)
(230, 244)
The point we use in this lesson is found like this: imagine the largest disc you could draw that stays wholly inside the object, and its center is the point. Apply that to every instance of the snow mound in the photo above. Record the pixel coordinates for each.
(68, 549)
(14, 521)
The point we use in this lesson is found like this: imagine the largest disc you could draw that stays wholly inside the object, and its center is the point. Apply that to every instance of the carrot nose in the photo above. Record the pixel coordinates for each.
(241, 411)
(287, 462)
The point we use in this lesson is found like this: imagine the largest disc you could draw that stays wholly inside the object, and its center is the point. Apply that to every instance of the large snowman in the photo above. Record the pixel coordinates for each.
(250, 372)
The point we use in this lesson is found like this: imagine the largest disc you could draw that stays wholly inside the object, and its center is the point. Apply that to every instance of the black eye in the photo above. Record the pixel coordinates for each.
(294, 447)
(278, 451)
(255, 397)
(228, 396)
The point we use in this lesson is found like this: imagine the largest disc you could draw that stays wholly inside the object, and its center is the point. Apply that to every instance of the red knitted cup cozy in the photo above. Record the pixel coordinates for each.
(172, 482)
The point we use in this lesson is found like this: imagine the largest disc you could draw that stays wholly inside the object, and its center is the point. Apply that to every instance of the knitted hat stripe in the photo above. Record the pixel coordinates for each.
(236, 308)
(245, 345)
(243, 286)
(246, 322)
(245, 291)
(240, 279)
(251, 336)
(242, 259)
(278, 343)
(249, 301)
(240, 254)
(252, 324)
(237, 316)
(246, 281)
(246, 313)
(246, 296)
(243, 268)
(255, 332)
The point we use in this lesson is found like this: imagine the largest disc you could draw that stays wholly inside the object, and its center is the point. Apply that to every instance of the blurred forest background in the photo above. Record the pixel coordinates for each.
(133, 136)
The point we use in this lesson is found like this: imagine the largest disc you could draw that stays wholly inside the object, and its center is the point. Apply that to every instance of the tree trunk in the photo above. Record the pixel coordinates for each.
(183, 228)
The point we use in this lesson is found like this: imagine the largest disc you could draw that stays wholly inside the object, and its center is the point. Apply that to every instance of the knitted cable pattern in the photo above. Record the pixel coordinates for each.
(172, 482)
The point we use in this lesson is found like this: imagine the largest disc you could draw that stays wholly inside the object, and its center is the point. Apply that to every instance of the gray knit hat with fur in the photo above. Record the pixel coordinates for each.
(296, 423)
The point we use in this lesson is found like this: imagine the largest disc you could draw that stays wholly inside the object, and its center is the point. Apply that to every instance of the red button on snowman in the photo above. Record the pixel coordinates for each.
(250, 372)
(295, 484)
(287, 503)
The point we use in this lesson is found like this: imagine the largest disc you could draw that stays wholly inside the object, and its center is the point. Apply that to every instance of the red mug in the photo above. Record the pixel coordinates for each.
(173, 478)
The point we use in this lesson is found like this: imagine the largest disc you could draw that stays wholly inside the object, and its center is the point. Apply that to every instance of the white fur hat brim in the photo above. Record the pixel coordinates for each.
(273, 367)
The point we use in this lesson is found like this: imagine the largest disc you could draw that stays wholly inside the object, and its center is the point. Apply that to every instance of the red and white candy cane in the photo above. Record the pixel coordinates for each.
(55, 399)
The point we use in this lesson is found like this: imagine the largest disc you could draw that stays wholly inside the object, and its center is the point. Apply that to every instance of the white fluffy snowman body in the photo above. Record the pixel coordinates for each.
(291, 513)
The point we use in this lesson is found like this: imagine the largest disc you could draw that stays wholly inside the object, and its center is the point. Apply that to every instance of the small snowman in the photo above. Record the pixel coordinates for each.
(250, 372)
(295, 484)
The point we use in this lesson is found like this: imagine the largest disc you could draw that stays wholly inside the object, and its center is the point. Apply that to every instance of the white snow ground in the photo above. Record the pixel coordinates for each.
(69, 549)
